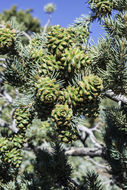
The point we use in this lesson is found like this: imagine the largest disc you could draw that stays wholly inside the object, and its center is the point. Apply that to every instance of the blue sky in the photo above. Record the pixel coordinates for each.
(65, 14)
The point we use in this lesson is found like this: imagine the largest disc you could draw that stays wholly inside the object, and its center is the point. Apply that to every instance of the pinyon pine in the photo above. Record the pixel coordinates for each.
(71, 104)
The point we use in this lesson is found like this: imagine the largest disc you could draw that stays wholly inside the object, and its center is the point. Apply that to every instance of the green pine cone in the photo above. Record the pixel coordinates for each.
(90, 87)
(47, 62)
(7, 40)
(67, 135)
(101, 7)
(60, 39)
(104, 7)
(62, 115)
(57, 40)
(47, 90)
(36, 55)
(13, 157)
(23, 118)
(69, 96)
(82, 34)
(11, 147)
(75, 59)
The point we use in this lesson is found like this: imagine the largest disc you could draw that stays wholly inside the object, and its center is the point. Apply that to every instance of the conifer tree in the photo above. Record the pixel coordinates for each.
(63, 82)
(24, 18)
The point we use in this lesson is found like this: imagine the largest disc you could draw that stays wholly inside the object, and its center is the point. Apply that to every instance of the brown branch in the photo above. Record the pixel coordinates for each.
(118, 98)
(91, 152)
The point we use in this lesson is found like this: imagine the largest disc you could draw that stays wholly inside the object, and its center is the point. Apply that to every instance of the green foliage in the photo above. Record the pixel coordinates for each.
(116, 143)
(60, 171)
(29, 23)
(111, 66)
(91, 182)
(37, 69)
(116, 67)
(38, 133)
(109, 62)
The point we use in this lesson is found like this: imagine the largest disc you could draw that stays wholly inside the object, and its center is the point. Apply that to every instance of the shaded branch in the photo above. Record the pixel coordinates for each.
(98, 164)
(91, 152)
(90, 133)
(118, 98)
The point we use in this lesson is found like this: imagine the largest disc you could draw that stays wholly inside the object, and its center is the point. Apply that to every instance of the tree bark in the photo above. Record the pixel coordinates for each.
(91, 152)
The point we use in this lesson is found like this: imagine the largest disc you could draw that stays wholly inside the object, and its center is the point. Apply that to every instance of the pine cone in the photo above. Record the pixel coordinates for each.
(89, 90)
(74, 59)
(7, 40)
(61, 115)
(47, 90)
(69, 95)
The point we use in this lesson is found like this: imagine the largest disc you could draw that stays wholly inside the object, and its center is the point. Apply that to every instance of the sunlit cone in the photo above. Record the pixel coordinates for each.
(74, 59)
(7, 40)
(47, 90)
(69, 95)
(90, 89)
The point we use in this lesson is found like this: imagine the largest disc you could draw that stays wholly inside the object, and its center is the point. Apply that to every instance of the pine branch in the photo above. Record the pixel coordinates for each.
(7, 97)
(118, 98)
(92, 152)
(97, 164)
(90, 132)
(47, 24)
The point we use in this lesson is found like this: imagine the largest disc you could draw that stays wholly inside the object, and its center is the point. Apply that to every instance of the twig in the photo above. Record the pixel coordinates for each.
(13, 126)
(7, 97)
(46, 25)
(27, 36)
(97, 164)
(90, 133)
(2, 59)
